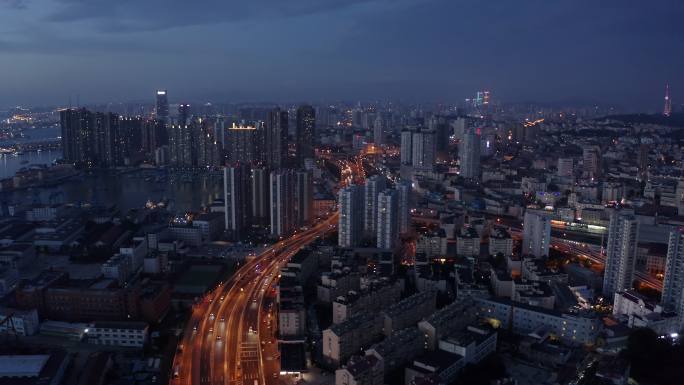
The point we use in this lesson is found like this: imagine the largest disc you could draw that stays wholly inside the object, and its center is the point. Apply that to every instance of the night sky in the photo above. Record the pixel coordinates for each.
(620, 52)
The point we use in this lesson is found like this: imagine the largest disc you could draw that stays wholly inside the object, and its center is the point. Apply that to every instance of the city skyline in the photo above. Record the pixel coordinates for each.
(435, 51)
(341, 192)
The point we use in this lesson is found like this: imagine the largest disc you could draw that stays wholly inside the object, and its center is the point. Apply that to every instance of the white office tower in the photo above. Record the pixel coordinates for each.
(673, 284)
(374, 185)
(379, 131)
(536, 234)
(406, 147)
(469, 152)
(623, 232)
(282, 202)
(388, 202)
(424, 148)
(350, 229)
(405, 192)
(565, 167)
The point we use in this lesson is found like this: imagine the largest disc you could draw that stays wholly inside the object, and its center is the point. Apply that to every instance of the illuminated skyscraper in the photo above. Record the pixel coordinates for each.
(162, 110)
(243, 143)
(275, 150)
(181, 145)
(76, 133)
(183, 113)
(667, 110)
(305, 134)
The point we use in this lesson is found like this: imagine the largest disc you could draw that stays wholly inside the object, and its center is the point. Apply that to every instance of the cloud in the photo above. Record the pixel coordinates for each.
(13, 4)
(151, 15)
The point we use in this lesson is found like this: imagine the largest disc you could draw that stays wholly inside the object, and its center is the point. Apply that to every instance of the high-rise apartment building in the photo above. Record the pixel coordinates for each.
(236, 198)
(407, 147)
(423, 149)
(387, 222)
(623, 233)
(304, 201)
(96, 139)
(261, 204)
(305, 133)
(181, 144)
(673, 284)
(276, 128)
(350, 229)
(244, 143)
(591, 161)
(536, 234)
(379, 131)
(282, 202)
(374, 185)
(405, 196)
(469, 153)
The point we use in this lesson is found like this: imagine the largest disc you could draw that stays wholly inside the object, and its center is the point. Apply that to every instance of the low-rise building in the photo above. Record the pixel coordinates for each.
(636, 311)
(468, 242)
(125, 334)
(342, 340)
(433, 244)
(186, 233)
(440, 366)
(211, 225)
(500, 242)
(19, 322)
(43, 369)
(337, 283)
(379, 295)
(474, 343)
(399, 349)
(363, 370)
(409, 311)
(520, 318)
(447, 320)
